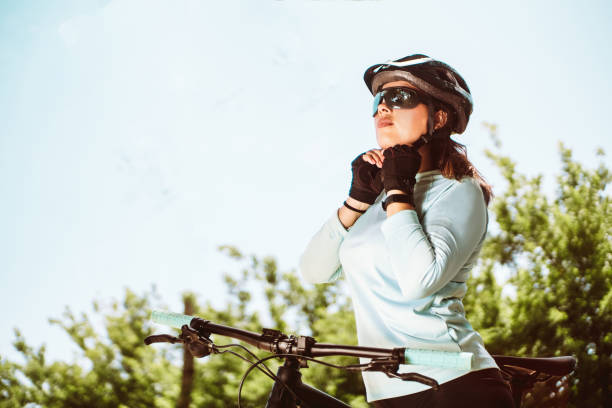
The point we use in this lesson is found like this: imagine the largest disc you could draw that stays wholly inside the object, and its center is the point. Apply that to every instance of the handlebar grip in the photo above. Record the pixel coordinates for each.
(171, 319)
(458, 360)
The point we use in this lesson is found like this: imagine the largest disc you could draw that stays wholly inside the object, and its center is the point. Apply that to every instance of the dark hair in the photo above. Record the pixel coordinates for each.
(451, 157)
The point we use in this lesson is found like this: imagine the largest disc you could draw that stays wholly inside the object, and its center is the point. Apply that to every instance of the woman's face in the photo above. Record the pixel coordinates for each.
(399, 126)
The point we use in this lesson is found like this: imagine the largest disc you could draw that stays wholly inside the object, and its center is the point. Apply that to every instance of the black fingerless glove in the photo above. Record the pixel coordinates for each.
(366, 184)
(400, 167)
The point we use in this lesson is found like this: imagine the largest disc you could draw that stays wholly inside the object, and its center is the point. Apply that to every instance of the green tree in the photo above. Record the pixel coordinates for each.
(558, 250)
(113, 370)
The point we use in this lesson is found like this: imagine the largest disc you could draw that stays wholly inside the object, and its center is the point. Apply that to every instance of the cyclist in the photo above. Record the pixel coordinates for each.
(409, 233)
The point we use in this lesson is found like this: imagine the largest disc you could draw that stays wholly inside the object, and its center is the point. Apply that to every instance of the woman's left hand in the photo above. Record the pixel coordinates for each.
(399, 169)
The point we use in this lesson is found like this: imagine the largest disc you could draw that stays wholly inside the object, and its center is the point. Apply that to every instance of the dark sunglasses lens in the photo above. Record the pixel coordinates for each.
(401, 98)
(396, 98)
(377, 100)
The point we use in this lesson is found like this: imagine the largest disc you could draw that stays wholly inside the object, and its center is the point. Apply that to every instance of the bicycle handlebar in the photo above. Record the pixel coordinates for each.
(276, 342)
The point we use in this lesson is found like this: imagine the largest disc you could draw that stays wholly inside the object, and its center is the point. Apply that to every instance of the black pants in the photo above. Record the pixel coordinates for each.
(482, 388)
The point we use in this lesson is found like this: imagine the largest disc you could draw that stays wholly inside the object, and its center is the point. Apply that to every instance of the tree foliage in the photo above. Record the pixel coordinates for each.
(559, 252)
(555, 248)
(113, 369)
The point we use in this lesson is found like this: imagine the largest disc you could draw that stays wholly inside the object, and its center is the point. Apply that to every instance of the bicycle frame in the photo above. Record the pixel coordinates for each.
(290, 374)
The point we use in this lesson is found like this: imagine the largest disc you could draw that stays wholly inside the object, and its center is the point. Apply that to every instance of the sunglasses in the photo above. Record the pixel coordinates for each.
(398, 98)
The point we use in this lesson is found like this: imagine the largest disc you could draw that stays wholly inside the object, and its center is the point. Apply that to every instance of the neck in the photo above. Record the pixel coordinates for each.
(427, 162)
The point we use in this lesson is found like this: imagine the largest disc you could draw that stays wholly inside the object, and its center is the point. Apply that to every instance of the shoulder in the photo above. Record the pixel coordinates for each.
(468, 185)
(438, 188)
(457, 206)
(455, 203)
(466, 191)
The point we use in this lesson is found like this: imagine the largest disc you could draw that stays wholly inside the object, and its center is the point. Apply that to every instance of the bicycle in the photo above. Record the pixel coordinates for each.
(288, 390)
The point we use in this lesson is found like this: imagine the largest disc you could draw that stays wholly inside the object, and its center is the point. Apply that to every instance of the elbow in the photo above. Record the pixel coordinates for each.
(419, 284)
(413, 291)
(305, 271)
(311, 279)
(312, 273)
(308, 275)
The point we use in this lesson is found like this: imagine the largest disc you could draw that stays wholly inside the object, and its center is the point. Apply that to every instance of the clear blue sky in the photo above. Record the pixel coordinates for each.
(137, 136)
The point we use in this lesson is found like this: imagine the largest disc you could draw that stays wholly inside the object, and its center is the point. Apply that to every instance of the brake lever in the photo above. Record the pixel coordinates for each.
(162, 338)
(390, 367)
(423, 379)
(197, 345)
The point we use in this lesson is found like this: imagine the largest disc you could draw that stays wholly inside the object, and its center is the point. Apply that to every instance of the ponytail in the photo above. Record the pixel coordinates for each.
(451, 158)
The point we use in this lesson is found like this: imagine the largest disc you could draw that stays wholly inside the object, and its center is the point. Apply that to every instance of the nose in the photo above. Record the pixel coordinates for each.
(382, 108)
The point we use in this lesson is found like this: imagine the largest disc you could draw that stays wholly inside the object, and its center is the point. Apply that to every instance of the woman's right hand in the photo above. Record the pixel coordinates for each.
(367, 182)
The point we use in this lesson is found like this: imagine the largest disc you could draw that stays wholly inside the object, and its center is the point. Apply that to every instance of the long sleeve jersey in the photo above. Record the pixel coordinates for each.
(407, 275)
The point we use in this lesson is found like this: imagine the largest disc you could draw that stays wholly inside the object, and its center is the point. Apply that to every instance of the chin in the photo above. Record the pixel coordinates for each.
(385, 141)
(389, 140)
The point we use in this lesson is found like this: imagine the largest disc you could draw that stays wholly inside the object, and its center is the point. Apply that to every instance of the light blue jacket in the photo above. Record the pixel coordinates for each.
(407, 275)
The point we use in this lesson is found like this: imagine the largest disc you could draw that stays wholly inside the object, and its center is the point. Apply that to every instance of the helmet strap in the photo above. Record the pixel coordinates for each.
(426, 137)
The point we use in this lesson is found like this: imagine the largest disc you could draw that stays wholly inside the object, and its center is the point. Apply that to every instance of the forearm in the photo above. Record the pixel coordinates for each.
(394, 208)
(418, 262)
(426, 254)
(320, 263)
(347, 216)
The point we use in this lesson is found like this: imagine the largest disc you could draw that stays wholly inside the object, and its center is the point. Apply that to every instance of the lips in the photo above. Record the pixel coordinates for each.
(384, 122)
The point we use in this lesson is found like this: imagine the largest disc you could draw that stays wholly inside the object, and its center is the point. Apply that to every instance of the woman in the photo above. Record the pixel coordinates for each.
(409, 233)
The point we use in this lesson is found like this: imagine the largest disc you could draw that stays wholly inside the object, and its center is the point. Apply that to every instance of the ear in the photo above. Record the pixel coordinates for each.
(440, 118)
